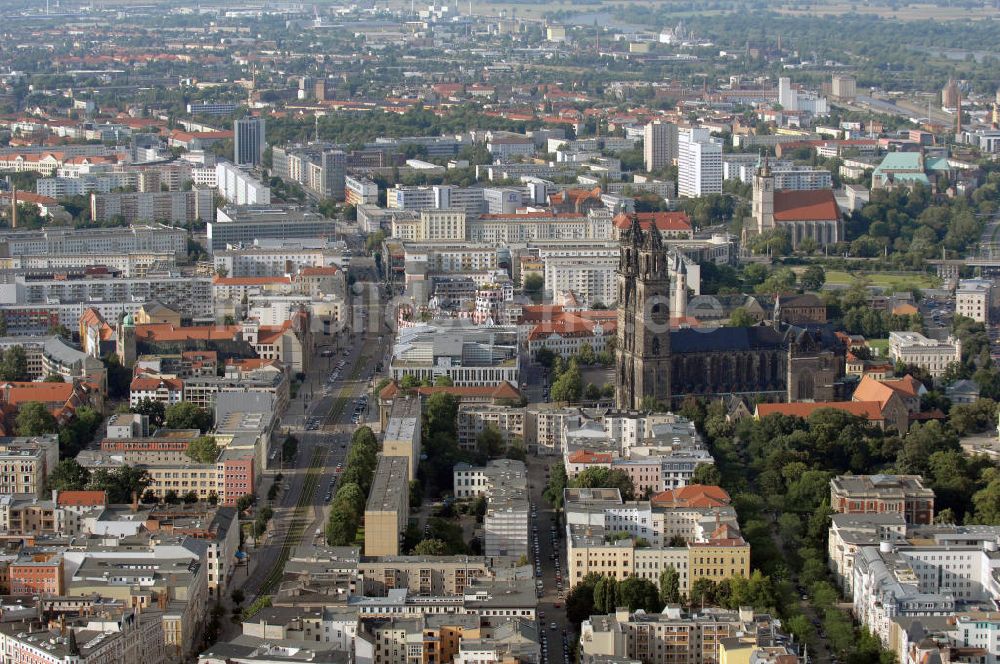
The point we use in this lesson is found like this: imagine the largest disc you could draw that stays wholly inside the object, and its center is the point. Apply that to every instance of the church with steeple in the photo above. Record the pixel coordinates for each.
(658, 363)
(802, 214)
(643, 318)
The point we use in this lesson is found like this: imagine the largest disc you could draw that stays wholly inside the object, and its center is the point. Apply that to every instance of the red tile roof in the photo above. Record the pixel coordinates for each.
(17, 393)
(250, 363)
(812, 205)
(693, 495)
(28, 197)
(188, 135)
(870, 410)
(167, 332)
(570, 325)
(880, 391)
(907, 385)
(319, 271)
(82, 498)
(586, 456)
(665, 221)
(140, 384)
(249, 281)
(575, 195)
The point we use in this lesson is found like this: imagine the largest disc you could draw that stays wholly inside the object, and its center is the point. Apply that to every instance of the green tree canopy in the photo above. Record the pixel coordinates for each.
(707, 473)
(154, 410)
(569, 386)
(599, 477)
(203, 449)
(68, 475)
(637, 593)
(186, 415)
(670, 586)
(813, 278)
(430, 547)
(490, 441)
(34, 419)
(14, 364)
(740, 317)
(122, 483)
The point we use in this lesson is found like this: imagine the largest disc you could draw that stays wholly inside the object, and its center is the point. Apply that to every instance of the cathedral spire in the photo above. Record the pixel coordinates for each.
(642, 354)
(636, 231)
(653, 240)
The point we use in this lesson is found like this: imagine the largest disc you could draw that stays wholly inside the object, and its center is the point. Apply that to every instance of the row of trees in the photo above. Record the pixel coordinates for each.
(348, 507)
(598, 477)
(182, 415)
(35, 419)
(122, 483)
(598, 594)
(14, 364)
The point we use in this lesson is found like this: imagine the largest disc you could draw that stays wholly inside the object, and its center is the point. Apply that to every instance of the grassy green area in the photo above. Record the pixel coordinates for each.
(899, 281)
(880, 346)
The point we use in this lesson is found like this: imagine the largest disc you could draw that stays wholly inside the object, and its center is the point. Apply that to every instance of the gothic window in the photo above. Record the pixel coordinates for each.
(656, 340)
(806, 386)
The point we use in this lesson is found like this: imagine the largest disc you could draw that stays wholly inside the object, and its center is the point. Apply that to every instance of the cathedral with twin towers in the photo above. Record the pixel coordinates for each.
(660, 359)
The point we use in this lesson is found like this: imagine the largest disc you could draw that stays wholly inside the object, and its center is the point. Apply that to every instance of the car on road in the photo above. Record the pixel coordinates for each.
(327, 497)
(553, 626)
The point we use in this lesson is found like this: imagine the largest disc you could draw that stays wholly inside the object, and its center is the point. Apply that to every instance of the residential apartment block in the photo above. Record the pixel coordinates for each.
(607, 536)
(474, 418)
(157, 238)
(66, 294)
(240, 187)
(402, 432)
(234, 226)
(321, 168)
(388, 507)
(659, 145)
(504, 482)
(278, 257)
(176, 207)
(672, 636)
(699, 164)
(25, 463)
(934, 572)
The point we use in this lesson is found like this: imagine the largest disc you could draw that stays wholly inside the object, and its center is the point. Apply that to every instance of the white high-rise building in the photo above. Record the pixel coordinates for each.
(794, 99)
(659, 144)
(238, 186)
(699, 164)
(787, 97)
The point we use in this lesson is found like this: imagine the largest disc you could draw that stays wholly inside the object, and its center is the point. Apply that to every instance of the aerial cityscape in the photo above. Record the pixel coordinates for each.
(579, 332)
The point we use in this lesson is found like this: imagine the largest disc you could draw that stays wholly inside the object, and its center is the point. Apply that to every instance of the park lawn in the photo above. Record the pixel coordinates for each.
(897, 281)
(880, 346)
